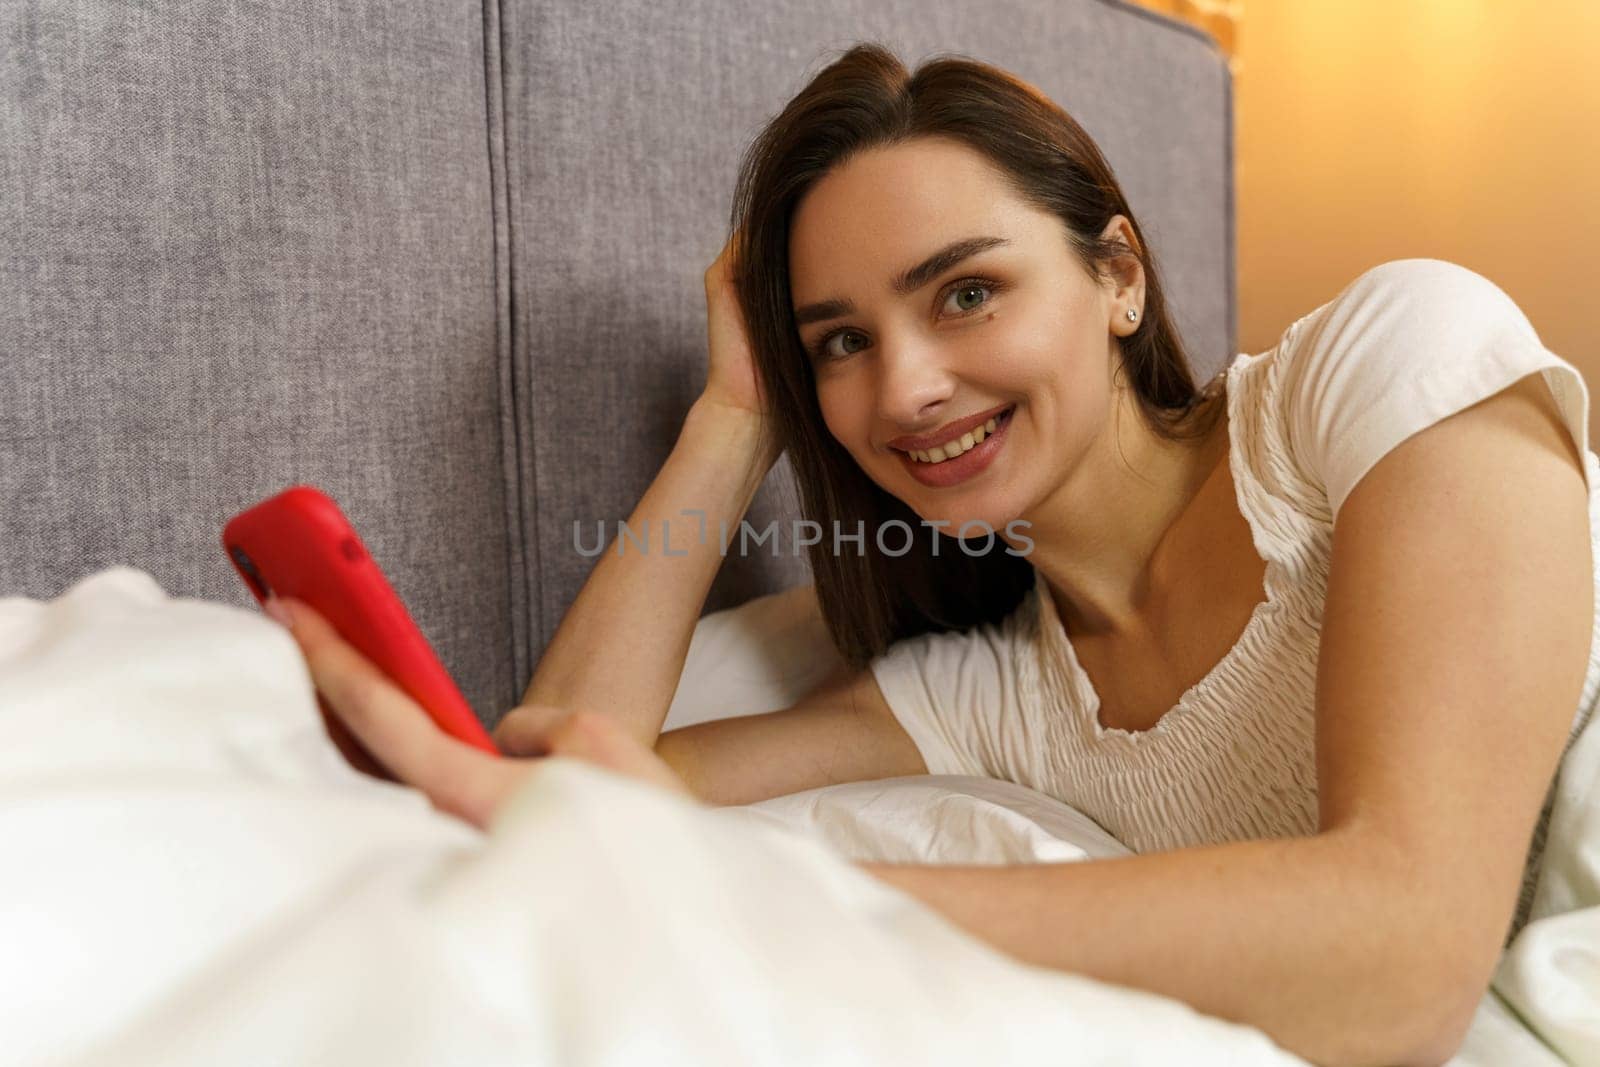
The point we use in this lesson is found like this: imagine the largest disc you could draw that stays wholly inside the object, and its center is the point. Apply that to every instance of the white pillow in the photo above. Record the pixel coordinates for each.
(942, 818)
(767, 653)
(763, 655)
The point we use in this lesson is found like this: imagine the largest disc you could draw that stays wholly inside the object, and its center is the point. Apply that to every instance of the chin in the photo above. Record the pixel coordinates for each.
(995, 503)
(977, 520)
(986, 511)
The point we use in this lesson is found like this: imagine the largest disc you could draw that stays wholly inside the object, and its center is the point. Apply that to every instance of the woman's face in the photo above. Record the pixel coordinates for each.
(1016, 331)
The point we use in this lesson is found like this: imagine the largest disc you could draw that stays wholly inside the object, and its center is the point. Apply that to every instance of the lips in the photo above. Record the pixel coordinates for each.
(970, 464)
(948, 433)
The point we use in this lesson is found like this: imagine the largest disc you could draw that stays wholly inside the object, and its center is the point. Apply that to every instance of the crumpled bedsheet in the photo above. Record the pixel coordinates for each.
(193, 875)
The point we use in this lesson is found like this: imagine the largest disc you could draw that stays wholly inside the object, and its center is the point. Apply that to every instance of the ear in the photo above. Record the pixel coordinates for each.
(1127, 278)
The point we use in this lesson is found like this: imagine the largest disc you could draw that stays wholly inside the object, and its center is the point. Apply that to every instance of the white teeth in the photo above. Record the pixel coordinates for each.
(954, 448)
(940, 453)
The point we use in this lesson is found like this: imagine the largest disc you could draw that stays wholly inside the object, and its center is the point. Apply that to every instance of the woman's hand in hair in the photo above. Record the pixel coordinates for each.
(733, 388)
(731, 380)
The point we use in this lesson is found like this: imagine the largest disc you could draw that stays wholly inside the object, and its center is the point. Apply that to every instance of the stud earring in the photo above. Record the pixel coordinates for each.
(1133, 315)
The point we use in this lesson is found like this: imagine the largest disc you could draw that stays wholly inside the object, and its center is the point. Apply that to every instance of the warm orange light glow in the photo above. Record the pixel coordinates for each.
(1369, 130)
(1219, 18)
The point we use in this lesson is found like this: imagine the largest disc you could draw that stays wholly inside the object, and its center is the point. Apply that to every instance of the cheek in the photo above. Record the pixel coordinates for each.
(842, 414)
(1054, 357)
(1022, 349)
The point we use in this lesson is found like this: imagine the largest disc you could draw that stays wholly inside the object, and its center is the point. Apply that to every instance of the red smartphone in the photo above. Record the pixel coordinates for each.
(299, 544)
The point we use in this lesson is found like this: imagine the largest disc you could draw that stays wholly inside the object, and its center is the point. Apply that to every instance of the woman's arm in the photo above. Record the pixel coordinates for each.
(621, 647)
(1305, 939)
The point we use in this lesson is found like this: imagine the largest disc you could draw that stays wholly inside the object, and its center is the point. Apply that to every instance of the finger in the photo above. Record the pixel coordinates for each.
(543, 730)
(525, 730)
(384, 718)
(473, 785)
(588, 736)
(727, 259)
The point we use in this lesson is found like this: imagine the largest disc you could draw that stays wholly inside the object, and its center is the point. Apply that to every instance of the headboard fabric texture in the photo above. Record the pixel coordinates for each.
(443, 260)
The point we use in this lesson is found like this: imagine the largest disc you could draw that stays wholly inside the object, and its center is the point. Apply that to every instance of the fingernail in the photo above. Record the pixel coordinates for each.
(278, 611)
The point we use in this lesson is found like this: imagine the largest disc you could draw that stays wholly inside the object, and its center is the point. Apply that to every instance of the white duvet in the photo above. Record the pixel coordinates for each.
(193, 875)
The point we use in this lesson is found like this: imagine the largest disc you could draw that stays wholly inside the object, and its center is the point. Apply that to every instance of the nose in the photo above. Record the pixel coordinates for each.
(912, 385)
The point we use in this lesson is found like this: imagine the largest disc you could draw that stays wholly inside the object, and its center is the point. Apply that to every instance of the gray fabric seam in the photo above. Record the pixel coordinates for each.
(533, 555)
(505, 348)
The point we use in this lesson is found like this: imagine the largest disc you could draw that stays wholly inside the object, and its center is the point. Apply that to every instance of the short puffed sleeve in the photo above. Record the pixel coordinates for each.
(954, 693)
(1407, 344)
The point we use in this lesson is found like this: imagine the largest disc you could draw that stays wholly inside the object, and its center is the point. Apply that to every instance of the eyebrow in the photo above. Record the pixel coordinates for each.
(908, 282)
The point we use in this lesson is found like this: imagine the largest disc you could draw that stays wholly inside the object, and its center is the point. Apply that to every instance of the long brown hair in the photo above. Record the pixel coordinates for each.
(866, 99)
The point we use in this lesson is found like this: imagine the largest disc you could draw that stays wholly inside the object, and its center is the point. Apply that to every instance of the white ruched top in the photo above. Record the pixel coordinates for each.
(1405, 345)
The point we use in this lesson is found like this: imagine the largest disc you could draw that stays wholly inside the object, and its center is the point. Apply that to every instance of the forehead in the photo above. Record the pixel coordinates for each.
(886, 208)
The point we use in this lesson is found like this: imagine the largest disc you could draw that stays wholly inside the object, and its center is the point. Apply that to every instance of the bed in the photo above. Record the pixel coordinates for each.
(443, 261)
(194, 875)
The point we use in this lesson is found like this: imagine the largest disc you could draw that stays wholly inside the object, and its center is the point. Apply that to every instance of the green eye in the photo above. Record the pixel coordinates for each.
(957, 293)
(821, 351)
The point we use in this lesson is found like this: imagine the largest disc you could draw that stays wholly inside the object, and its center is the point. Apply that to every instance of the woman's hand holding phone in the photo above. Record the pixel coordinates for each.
(458, 778)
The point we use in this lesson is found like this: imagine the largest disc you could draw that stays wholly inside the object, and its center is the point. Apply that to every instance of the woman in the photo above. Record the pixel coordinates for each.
(1279, 635)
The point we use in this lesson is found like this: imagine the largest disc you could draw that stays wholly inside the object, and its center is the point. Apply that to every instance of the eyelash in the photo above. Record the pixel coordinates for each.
(819, 348)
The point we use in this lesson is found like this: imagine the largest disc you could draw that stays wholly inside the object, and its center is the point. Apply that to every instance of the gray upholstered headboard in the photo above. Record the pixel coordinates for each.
(444, 261)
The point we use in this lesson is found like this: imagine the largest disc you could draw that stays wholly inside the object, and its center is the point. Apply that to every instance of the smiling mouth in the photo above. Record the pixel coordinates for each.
(961, 445)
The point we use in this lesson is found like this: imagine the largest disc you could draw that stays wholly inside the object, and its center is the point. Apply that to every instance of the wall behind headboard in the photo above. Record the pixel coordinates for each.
(1371, 130)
